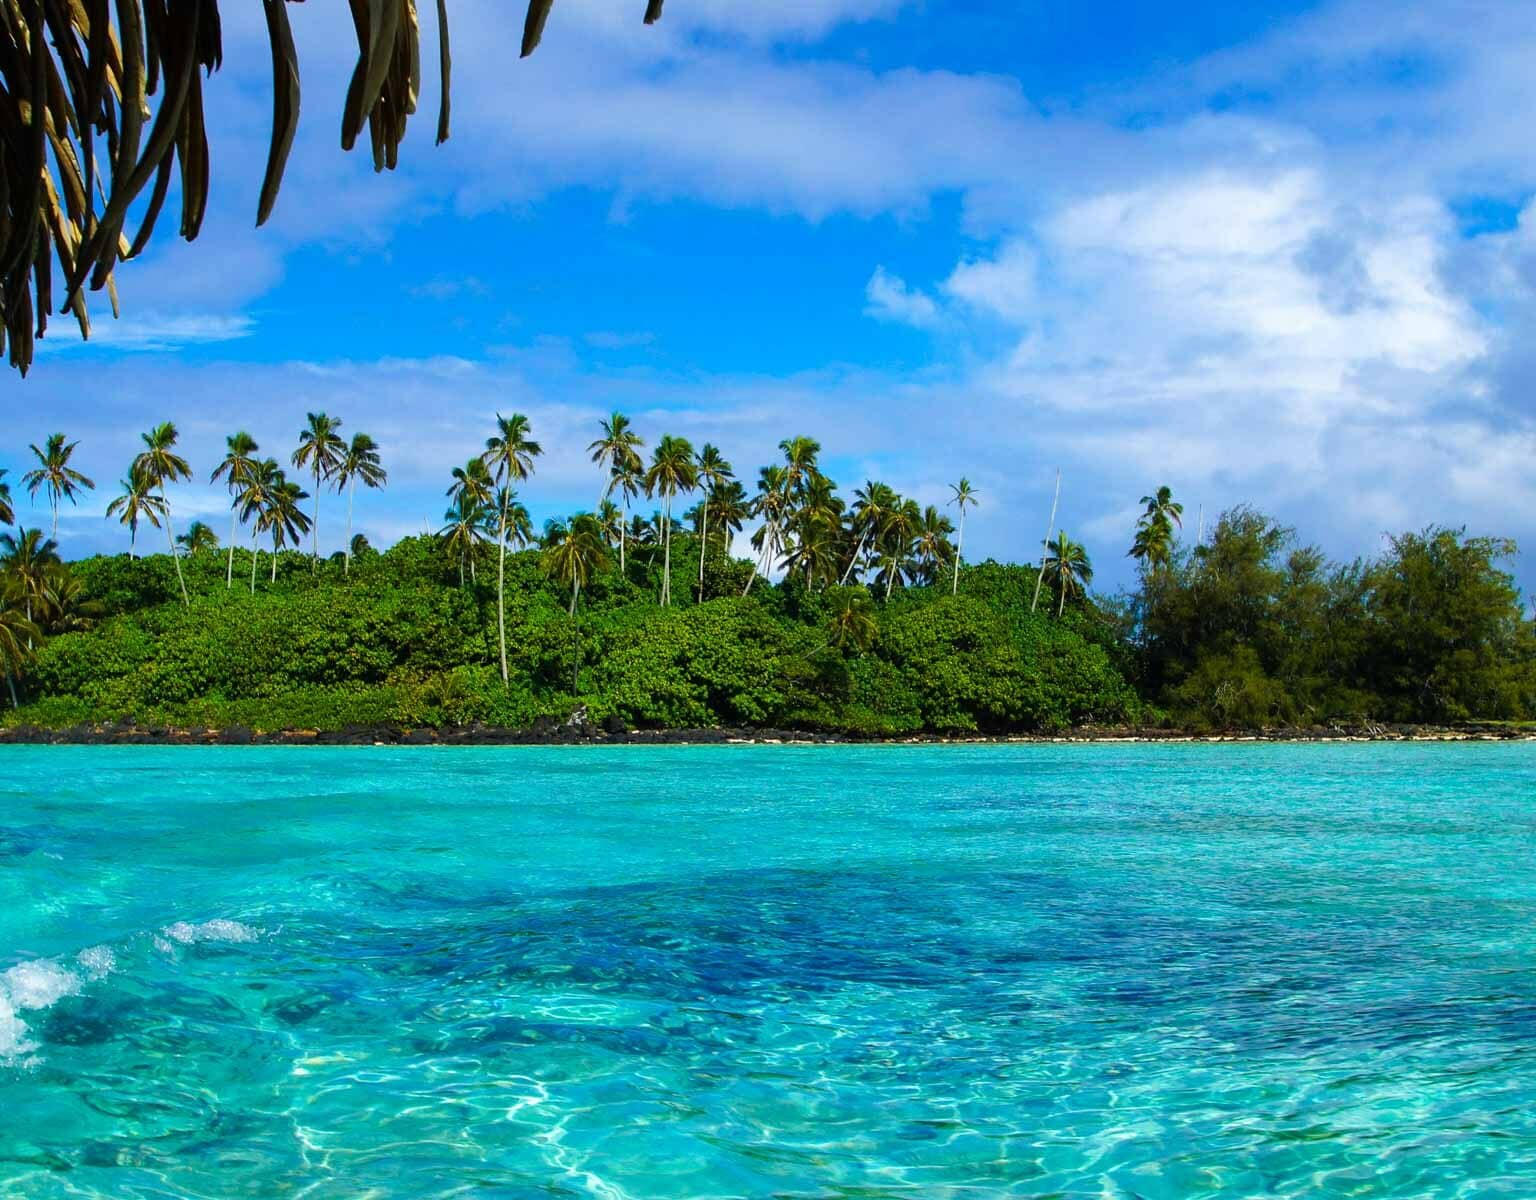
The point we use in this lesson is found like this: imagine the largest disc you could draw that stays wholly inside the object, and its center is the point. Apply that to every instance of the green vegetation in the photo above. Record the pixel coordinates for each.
(870, 629)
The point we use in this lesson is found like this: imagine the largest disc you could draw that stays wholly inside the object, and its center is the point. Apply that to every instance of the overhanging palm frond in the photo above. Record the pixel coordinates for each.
(81, 140)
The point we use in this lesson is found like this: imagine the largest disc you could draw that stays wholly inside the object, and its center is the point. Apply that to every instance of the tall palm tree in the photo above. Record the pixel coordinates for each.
(25, 559)
(138, 502)
(239, 461)
(159, 463)
(7, 512)
(262, 482)
(54, 476)
(771, 503)
(467, 528)
(1153, 545)
(509, 455)
(610, 519)
(897, 538)
(472, 483)
(360, 462)
(672, 470)
(872, 505)
(320, 452)
(1068, 568)
(628, 479)
(618, 446)
(964, 496)
(711, 471)
(198, 537)
(800, 457)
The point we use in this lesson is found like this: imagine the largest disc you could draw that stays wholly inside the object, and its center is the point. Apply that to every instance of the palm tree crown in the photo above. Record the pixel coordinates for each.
(1067, 569)
(54, 476)
(138, 502)
(359, 463)
(7, 513)
(672, 470)
(320, 452)
(963, 496)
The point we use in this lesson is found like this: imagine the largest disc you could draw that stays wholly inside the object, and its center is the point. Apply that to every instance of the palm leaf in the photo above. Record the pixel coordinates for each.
(103, 99)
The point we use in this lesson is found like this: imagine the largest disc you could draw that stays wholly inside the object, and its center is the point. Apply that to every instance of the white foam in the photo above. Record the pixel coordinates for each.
(29, 986)
(98, 961)
(218, 930)
(38, 984)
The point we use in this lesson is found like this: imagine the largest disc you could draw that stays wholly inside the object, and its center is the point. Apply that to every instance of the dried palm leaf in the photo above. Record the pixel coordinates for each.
(82, 80)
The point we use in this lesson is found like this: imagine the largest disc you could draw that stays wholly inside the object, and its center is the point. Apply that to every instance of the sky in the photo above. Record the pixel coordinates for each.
(1281, 254)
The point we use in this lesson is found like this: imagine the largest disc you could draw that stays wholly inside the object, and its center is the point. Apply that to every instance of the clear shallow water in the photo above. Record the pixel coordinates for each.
(1106, 971)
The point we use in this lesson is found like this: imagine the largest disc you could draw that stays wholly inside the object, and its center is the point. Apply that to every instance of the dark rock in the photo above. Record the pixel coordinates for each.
(236, 735)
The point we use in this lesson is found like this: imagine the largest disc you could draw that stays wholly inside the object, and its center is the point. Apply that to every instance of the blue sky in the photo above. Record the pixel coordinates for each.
(1283, 254)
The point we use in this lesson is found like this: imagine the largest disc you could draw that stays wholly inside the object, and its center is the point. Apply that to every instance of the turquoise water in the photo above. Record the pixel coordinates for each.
(1096, 971)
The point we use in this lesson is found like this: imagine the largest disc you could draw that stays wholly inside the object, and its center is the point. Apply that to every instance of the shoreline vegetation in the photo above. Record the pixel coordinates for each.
(839, 617)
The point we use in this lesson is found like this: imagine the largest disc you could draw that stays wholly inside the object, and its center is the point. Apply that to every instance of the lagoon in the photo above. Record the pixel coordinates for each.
(1160, 971)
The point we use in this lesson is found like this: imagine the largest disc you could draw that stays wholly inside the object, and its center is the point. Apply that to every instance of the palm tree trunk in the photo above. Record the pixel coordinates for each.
(853, 561)
(890, 580)
(623, 534)
(314, 561)
(501, 595)
(55, 518)
(666, 530)
(176, 558)
(10, 684)
(576, 632)
(703, 549)
(959, 553)
(229, 575)
(255, 558)
(274, 561)
(1050, 529)
(351, 493)
(1061, 602)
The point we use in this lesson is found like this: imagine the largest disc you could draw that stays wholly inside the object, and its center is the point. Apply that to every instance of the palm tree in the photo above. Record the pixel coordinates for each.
(628, 479)
(25, 559)
(872, 504)
(239, 462)
(55, 476)
(897, 538)
(320, 450)
(198, 537)
(672, 471)
(1153, 546)
(509, 455)
(800, 455)
(7, 512)
(137, 503)
(78, 75)
(284, 517)
(932, 545)
(65, 606)
(1068, 568)
(729, 507)
(772, 504)
(18, 634)
(964, 496)
(467, 529)
(619, 445)
(359, 462)
(711, 471)
(262, 482)
(573, 553)
(852, 622)
(610, 519)
(160, 465)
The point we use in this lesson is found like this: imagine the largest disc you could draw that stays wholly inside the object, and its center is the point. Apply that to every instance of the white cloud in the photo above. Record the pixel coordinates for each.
(888, 298)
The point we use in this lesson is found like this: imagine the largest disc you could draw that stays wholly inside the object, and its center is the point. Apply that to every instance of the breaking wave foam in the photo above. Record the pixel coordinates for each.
(27, 987)
(218, 930)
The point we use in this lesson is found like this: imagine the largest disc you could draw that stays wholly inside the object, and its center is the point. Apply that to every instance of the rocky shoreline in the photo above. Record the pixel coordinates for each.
(578, 730)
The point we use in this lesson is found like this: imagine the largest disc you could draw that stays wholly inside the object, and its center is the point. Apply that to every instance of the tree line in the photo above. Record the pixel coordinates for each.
(1246, 627)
